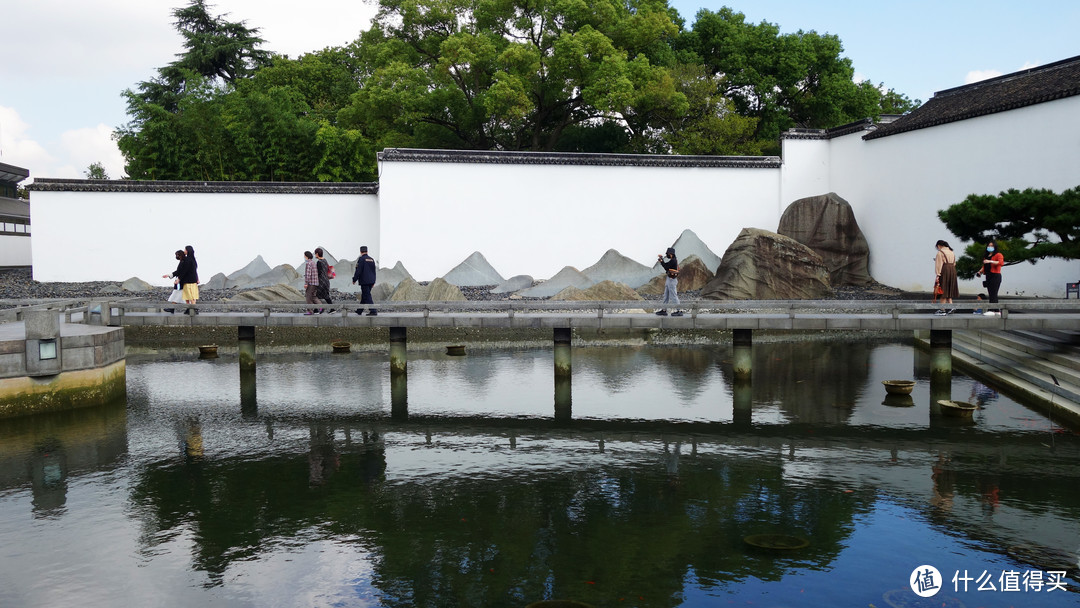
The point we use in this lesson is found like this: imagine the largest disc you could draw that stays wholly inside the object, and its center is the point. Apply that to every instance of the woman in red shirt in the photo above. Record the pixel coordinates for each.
(992, 263)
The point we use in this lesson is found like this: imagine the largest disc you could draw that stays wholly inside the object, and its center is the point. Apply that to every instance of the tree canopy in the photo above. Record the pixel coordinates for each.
(1029, 225)
(546, 75)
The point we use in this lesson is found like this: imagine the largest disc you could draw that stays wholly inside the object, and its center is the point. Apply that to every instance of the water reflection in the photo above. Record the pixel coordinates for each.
(46, 451)
(331, 485)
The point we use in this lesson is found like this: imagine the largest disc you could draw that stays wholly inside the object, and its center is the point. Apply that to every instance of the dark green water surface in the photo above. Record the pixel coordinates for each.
(312, 485)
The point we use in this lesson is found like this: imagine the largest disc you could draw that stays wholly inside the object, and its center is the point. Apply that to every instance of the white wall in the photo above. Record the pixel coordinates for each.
(15, 250)
(896, 185)
(113, 236)
(535, 219)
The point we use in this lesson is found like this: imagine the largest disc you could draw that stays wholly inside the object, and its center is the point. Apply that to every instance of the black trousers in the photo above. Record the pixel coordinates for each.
(993, 284)
(365, 295)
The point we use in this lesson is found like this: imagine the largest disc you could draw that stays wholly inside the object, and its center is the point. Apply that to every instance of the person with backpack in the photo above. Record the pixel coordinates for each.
(671, 281)
(365, 276)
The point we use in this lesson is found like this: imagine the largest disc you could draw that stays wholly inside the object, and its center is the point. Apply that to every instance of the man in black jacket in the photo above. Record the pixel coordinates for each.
(365, 276)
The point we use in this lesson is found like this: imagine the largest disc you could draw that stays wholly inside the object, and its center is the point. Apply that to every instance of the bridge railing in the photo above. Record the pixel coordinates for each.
(85, 310)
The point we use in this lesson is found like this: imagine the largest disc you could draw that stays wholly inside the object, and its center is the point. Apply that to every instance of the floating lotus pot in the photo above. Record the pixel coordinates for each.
(208, 351)
(456, 350)
(957, 409)
(340, 346)
(898, 387)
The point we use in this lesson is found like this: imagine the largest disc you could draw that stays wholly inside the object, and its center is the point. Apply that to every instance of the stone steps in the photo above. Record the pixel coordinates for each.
(1035, 360)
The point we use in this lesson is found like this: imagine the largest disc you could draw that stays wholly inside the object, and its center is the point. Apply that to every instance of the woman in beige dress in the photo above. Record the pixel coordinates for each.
(945, 269)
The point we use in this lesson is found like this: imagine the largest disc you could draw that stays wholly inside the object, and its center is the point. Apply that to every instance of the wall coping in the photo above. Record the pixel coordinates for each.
(199, 187)
(576, 158)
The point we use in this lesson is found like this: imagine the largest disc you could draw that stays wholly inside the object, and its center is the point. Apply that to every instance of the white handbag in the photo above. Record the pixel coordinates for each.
(177, 295)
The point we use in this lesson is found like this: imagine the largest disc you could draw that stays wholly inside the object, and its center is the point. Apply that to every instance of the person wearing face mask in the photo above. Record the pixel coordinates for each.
(991, 269)
(671, 281)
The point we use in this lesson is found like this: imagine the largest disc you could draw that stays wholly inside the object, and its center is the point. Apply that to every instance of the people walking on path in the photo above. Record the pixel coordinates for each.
(323, 291)
(945, 269)
(365, 276)
(186, 275)
(671, 281)
(991, 269)
(311, 281)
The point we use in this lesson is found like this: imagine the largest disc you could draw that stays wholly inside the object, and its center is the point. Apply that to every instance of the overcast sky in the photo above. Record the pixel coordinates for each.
(64, 64)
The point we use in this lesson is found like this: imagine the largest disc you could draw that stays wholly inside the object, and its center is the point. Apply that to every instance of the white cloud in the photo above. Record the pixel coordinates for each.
(977, 75)
(75, 151)
(81, 147)
(16, 146)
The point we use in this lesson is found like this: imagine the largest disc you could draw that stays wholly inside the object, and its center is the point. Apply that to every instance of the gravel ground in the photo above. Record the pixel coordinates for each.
(18, 284)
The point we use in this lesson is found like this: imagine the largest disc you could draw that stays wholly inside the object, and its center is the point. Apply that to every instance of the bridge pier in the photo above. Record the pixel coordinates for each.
(245, 336)
(563, 373)
(399, 373)
(249, 407)
(742, 397)
(742, 342)
(941, 356)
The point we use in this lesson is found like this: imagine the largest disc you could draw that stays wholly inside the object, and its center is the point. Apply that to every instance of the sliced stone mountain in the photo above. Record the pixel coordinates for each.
(475, 271)
(827, 225)
(274, 293)
(693, 275)
(239, 281)
(216, 282)
(614, 266)
(436, 291)
(282, 274)
(392, 276)
(763, 265)
(689, 244)
(256, 267)
(604, 291)
(135, 284)
(567, 277)
(514, 283)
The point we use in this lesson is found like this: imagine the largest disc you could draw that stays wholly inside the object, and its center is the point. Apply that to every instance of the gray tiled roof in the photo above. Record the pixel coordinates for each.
(130, 185)
(1037, 85)
(576, 158)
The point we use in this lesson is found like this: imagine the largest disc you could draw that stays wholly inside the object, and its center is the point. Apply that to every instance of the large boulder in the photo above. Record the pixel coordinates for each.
(274, 293)
(475, 271)
(568, 276)
(604, 291)
(763, 265)
(693, 275)
(437, 291)
(827, 225)
(614, 266)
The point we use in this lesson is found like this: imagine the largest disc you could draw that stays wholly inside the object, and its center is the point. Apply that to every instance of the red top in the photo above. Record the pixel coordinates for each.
(996, 262)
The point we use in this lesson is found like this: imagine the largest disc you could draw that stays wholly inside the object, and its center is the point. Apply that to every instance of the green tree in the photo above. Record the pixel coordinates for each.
(1029, 225)
(785, 80)
(513, 74)
(96, 171)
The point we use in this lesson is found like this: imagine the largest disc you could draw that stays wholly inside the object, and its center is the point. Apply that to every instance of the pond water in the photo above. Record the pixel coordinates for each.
(316, 482)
